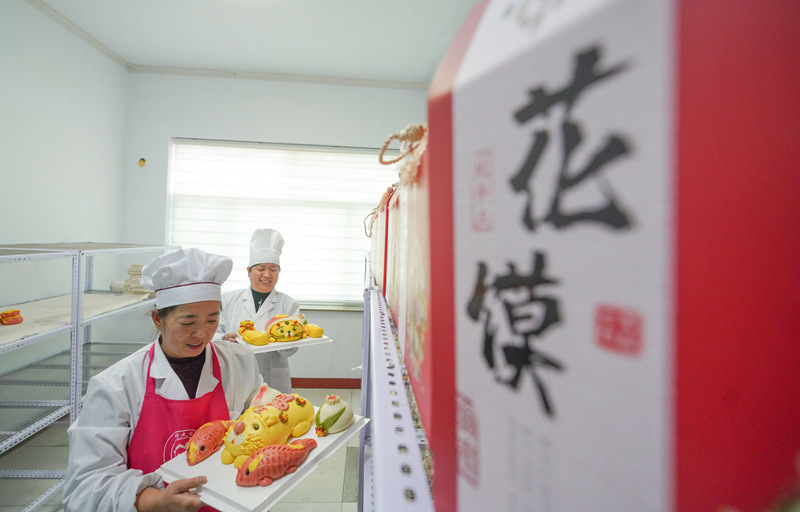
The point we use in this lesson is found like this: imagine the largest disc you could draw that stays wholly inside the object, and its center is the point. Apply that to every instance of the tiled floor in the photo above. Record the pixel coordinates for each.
(333, 487)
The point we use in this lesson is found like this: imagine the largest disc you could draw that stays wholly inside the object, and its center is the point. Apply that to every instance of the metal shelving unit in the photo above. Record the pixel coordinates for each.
(36, 396)
(41, 413)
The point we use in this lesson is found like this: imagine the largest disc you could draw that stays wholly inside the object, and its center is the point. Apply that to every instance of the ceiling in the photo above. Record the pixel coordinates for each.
(390, 43)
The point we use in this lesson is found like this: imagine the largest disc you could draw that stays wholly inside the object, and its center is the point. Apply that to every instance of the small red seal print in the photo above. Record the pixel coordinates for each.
(481, 192)
(618, 329)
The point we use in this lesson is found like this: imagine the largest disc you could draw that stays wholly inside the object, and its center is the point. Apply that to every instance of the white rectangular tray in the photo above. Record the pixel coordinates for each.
(283, 345)
(221, 491)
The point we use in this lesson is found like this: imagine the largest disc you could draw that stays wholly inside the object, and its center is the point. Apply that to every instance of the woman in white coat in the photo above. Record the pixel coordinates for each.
(259, 304)
(141, 411)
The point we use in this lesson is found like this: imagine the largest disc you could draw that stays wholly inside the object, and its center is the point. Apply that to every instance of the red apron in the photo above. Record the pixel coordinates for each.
(165, 425)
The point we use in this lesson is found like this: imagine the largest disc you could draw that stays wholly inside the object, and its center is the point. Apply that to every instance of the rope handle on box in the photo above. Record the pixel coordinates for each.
(369, 220)
(413, 142)
(410, 138)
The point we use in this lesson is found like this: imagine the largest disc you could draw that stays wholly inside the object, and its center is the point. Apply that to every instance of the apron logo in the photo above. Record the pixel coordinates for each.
(177, 443)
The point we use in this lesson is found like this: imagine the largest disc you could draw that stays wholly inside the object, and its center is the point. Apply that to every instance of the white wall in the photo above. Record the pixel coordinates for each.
(338, 358)
(165, 106)
(62, 141)
(62, 133)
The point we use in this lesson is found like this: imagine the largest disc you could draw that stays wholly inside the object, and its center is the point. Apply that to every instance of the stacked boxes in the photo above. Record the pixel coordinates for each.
(595, 275)
(608, 220)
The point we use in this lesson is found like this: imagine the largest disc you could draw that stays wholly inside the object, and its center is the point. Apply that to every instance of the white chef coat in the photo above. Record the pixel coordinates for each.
(97, 476)
(237, 306)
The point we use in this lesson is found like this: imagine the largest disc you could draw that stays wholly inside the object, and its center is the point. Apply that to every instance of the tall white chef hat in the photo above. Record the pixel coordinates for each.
(265, 247)
(185, 276)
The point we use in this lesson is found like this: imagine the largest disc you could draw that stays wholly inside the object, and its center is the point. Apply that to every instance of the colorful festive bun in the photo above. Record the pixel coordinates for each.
(264, 396)
(286, 416)
(273, 461)
(285, 328)
(206, 440)
(10, 317)
(334, 416)
(314, 331)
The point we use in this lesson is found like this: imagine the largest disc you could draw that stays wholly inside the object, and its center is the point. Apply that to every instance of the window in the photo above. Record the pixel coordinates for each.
(317, 197)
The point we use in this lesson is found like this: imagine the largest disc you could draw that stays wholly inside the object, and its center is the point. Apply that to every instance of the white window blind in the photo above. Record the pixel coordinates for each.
(317, 197)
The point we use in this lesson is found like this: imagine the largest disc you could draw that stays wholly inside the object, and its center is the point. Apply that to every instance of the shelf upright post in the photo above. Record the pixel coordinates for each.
(369, 286)
(88, 258)
(76, 346)
(89, 270)
(365, 401)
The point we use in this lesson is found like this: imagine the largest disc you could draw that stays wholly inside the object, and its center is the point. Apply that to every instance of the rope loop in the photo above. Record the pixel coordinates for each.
(413, 141)
(410, 138)
(369, 220)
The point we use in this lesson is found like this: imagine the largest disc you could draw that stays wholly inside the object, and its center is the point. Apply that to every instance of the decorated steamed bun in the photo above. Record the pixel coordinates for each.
(333, 416)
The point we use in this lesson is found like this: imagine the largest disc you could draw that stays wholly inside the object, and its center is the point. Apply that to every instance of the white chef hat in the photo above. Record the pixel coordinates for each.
(265, 247)
(185, 276)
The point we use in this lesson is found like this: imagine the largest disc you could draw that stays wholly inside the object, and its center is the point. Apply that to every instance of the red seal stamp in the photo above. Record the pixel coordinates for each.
(618, 329)
(482, 192)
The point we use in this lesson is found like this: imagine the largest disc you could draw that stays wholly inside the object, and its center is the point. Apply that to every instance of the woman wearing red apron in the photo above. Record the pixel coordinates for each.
(141, 411)
(163, 420)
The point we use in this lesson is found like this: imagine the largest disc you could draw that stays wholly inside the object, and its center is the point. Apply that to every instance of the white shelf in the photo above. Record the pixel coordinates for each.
(392, 470)
(55, 314)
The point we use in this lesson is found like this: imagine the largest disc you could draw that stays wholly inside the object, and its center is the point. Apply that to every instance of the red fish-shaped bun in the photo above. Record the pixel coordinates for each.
(273, 461)
(206, 440)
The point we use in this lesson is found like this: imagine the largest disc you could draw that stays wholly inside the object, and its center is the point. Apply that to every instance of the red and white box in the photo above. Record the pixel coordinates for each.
(614, 293)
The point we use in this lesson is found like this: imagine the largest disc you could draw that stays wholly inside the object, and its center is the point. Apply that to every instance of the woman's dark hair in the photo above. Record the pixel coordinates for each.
(163, 312)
